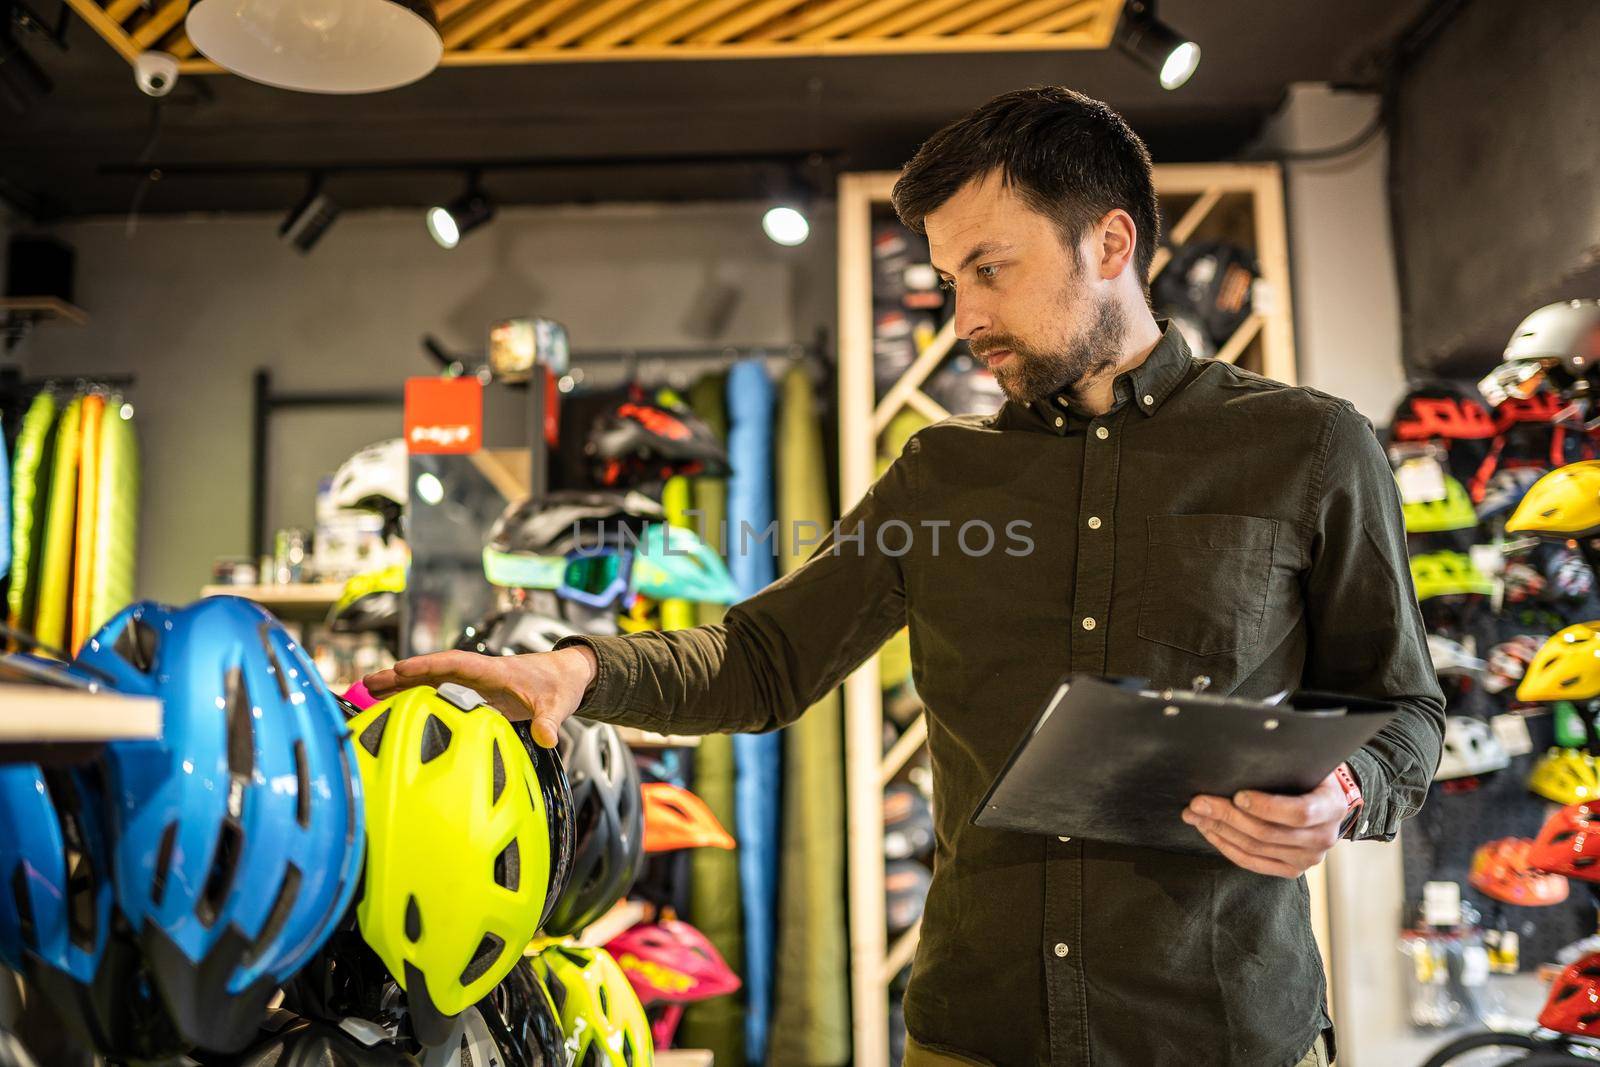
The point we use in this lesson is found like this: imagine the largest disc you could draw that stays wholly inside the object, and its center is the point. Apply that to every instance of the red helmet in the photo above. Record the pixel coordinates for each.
(672, 963)
(675, 818)
(1423, 417)
(1574, 1003)
(1569, 844)
(1501, 870)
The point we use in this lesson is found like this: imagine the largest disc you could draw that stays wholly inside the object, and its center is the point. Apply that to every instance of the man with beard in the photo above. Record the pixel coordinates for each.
(1149, 514)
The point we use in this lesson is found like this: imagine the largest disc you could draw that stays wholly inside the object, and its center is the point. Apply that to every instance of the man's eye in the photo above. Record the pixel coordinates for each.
(988, 273)
(946, 284)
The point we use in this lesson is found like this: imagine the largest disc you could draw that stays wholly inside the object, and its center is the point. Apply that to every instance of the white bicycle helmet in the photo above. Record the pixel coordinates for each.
(374, 479)
(1469, 748)
(1451, 657)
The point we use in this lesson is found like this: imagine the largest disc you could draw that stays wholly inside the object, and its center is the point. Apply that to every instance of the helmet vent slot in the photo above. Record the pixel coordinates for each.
(302, 785)
(372, 736)
(137, 645)
(489, 950)
(508, 867)
(435, 739)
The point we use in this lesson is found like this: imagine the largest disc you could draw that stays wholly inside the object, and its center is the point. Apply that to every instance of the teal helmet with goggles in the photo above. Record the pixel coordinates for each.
(674, 563)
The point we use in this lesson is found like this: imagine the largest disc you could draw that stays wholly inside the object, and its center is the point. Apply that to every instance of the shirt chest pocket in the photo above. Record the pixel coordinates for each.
(1206, 579)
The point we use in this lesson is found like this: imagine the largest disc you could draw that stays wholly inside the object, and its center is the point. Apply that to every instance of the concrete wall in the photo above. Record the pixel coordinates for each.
(193, 306)
(1496, 148)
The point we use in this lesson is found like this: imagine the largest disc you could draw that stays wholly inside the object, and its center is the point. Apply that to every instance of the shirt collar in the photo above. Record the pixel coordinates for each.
(1146, 386)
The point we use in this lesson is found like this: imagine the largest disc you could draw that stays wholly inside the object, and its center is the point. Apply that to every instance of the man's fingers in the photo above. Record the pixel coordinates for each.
(381, 683)
(463, 668)
(1249, 862)
(546, 728)
(1320, 805)
(1292, 860)
(1261, 830)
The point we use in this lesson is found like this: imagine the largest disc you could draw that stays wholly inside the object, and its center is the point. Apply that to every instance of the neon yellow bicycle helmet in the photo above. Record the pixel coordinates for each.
(1564, 503)
(1448, 574)
(1566, 667)
(460, 860)
(1454, 512)
(1565, 776)
(600, 1013)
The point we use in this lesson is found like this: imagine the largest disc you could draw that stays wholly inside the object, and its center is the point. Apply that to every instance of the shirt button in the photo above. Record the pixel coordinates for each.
(1148, 400)
(1094, 522)
(1088, 624)
(1063, 840)
(1102, 433)
(1061, 949)
(1058, 422)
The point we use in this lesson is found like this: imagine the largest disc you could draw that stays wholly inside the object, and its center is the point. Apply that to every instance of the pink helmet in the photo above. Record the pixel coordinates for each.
(672, 963)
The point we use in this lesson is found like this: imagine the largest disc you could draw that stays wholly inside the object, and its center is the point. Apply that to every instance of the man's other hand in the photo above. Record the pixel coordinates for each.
(1284, 836)
(544, 687)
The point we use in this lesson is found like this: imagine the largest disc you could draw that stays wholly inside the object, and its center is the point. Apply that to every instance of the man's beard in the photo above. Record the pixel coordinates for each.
(1032, 374)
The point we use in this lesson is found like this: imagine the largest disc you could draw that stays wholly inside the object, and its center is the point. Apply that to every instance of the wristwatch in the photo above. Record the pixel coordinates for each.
(1352, 797)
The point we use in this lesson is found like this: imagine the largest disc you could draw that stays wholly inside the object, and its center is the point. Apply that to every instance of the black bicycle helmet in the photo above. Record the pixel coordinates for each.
(571, 519)
(515, 632)
(524, 1022)
(609, 815)
(288, 1040)
(556, 791)
(641, 442)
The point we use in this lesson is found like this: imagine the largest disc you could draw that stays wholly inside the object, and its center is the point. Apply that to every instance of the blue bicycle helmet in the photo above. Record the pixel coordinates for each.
(56, 915)
(239, 834)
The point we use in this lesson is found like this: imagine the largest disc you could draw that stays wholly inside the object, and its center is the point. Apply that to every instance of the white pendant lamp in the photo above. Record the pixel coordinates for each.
(320, 46)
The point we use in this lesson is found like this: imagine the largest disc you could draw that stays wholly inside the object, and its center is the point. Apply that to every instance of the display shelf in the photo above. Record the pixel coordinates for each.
(48, 724)
(19, 314)
(684, 1057)
(1238, 202)
(301, 600)
(635, 738)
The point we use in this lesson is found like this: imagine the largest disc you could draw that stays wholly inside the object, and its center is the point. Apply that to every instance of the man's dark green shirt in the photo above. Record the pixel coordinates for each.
(1213, 523)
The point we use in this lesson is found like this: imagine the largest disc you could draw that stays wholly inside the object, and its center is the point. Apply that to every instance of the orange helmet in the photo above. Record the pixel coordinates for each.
(1501, 870)
(676, 818)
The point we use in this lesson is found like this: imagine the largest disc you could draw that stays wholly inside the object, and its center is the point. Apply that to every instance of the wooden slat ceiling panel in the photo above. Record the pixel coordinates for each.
(540, 31)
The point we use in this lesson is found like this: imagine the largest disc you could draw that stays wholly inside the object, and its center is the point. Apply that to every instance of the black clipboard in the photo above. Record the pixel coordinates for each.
(1110, 760)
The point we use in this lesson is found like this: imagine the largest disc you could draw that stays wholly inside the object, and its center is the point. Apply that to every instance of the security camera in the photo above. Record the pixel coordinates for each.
(155, 72)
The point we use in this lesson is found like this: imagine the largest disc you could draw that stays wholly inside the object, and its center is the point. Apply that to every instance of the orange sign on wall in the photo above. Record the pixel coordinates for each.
(444, 415)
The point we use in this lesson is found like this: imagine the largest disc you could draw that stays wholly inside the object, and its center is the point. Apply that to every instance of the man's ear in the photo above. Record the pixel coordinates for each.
(1117, 243)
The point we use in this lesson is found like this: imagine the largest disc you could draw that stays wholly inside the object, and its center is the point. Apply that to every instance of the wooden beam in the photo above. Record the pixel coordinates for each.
(120, 11)
(1104, 27)
(814, 15)
(909, 743)
(757, 16)
(177, 43)
(1062, 17)
(481, 19)
(898, 956)
(1230, 352)
(518, 32)
(909, 19)
(973, 11)
(638, 22)
(926, 406)
(851, 22)
(688, 21)
(565, 33)
(1022, 14)
(445, 10)
(899, 394)
(155, 27)
(101, 23)
(1196, 214)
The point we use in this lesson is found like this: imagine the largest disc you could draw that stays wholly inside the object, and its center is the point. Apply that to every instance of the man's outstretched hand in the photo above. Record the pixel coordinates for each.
(544, 688)
(1283, 836)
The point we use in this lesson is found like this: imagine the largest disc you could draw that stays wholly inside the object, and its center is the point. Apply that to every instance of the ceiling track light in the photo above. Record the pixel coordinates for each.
(1156, 46)
(449, 223)
(308, 220)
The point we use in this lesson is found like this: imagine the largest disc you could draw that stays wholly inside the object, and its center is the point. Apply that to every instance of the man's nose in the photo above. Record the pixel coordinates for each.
(972, 318)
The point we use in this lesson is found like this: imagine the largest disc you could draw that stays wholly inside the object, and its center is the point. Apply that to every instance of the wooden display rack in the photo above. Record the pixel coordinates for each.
(1238, 202)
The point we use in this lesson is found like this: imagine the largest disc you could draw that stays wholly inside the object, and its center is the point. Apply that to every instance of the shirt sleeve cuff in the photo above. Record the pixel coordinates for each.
(1371, 822)
(606, 699)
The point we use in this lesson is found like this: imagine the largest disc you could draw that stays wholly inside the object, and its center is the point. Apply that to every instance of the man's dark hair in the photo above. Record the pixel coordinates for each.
(1068, 156)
